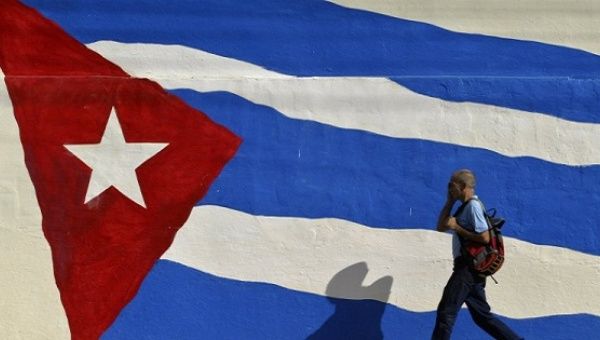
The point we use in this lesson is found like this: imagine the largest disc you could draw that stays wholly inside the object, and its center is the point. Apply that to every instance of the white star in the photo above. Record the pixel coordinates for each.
(113, 161)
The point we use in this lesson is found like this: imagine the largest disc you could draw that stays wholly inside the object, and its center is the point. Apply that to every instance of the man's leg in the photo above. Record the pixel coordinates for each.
(480, 312)
(456, 291)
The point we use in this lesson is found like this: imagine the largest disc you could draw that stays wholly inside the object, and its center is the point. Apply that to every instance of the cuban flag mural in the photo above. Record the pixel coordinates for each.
(273, 169)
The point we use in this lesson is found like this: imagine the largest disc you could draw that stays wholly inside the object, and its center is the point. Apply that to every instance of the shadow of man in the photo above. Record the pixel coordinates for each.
(359, 316)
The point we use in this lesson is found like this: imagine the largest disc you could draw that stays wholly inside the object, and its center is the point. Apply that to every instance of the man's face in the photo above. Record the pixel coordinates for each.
(454, 188)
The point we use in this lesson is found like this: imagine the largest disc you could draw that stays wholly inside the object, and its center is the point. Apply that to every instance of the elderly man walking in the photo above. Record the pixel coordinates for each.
(464, 285)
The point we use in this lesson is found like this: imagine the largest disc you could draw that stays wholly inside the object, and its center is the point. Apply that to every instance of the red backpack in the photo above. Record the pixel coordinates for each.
(485, 259)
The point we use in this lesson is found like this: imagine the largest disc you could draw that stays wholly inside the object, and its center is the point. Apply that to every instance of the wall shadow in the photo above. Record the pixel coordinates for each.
(355, 319)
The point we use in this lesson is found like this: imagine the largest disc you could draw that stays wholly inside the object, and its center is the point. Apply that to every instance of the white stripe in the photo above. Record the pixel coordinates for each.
(305, 254)
(30, 306)
(568, 23)
(372, 104)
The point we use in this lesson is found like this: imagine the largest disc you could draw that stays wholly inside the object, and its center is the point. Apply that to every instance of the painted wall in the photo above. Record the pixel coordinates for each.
(273, 169)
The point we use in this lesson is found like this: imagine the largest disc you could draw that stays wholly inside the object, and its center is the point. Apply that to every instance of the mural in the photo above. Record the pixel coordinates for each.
(273, 169)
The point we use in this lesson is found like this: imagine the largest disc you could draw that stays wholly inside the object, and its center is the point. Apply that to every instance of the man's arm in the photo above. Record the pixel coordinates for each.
(483, 237)
(442, 224)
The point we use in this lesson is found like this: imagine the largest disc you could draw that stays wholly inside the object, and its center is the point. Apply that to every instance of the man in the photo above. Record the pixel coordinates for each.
(464, 285)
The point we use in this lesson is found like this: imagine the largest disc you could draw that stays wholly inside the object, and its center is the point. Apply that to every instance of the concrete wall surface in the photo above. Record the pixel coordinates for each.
(273, 169)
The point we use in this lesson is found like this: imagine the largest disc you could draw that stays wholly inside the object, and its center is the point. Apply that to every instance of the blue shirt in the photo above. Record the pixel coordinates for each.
(471, 219)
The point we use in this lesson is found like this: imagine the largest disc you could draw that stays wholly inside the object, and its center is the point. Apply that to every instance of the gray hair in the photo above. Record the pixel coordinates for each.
(464, 177)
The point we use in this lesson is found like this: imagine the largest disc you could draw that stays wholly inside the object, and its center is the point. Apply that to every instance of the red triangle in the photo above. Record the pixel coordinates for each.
(63, 93)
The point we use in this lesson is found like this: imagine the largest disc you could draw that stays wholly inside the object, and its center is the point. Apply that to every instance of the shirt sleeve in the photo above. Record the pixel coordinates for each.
(475, 213)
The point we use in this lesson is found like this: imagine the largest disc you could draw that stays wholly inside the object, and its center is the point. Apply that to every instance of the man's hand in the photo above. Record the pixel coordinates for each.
(450, 198)
(445, 212)
(452, 224)
(454, 191)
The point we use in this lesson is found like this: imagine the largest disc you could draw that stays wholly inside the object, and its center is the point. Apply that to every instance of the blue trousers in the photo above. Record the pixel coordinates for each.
(465, 286)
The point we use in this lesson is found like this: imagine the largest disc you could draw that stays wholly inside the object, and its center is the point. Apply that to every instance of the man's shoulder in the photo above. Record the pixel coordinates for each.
(474, 206)
(477, 214)
(475, 202)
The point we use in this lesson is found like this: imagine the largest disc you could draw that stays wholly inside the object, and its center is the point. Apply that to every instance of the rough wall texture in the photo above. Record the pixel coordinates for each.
(352, 114)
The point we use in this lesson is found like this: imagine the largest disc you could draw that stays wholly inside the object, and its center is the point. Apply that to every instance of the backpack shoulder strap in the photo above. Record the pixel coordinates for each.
(462, 207)
(482, 205)
(485, 214)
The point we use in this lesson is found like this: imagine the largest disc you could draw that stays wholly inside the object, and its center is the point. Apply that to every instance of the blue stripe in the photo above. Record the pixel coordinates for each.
(177, 302)
(289, 167)
(313, 37)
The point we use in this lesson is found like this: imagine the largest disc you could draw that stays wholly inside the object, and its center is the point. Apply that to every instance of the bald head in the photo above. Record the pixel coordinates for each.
(465, 178)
